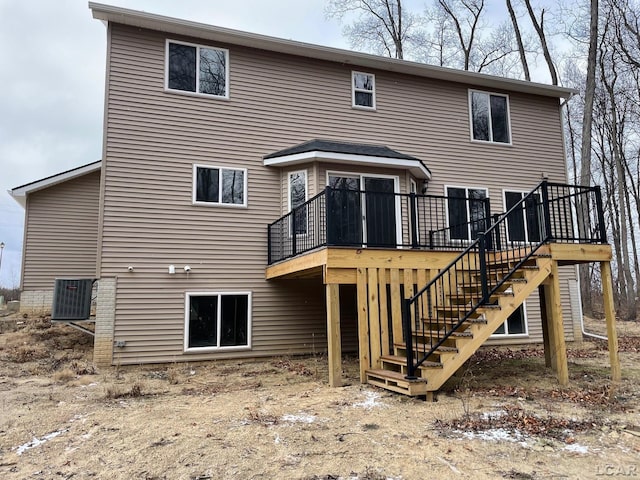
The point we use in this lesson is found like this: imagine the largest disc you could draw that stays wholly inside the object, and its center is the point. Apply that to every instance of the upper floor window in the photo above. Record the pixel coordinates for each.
(467, 211)
(524, 224)
(489, 117)
(364, 90)
(216, 186)
(297, 197)
(197, 69)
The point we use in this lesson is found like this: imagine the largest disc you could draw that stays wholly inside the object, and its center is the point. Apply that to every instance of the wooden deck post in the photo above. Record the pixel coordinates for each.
(556, 331)
(333, 334)
(610, 315)
(363, 322)
(544, 319)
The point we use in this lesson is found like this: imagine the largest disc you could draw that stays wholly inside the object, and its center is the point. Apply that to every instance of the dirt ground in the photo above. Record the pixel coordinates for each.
(503, 417)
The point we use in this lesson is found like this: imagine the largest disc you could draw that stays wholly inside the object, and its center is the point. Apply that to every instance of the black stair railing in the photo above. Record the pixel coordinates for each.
(443, 308)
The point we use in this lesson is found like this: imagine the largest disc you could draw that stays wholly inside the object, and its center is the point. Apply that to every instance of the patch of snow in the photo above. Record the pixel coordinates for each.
(370, 402)
(576, 448)
(497, 435)
(36, 442)
(494, 414)
(277, 440)
(302, 418)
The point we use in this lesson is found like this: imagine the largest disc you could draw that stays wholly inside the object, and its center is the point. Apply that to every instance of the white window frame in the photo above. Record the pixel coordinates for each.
(218, 204)
(196, 93)
(396, 191)
(446, 211)
(526, 227)
(506, 333)
(306, 197)
(490, 141)
(219, 294)
(362, 90)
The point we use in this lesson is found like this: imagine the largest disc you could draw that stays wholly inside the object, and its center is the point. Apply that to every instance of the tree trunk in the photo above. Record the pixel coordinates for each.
(516, 29)
(585, 150)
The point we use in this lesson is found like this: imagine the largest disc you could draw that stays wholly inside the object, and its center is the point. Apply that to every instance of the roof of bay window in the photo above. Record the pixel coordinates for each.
(347, 153)
(212, 33)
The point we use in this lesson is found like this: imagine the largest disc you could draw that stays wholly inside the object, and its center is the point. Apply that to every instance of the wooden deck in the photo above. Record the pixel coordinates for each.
(382, 274)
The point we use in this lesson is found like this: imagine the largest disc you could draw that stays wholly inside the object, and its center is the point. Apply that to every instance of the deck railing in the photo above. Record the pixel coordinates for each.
(550, 212)
(339, 217)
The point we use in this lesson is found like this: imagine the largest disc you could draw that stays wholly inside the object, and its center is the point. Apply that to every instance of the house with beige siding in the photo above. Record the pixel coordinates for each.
(260, 196)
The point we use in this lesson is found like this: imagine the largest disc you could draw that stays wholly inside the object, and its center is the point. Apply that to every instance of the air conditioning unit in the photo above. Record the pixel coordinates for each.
(72, 299)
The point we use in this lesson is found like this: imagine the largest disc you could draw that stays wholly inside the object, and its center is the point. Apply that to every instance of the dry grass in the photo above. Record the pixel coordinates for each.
(278, 419)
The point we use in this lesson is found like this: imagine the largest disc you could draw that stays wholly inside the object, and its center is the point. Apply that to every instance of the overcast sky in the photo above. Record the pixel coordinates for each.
(52, 58)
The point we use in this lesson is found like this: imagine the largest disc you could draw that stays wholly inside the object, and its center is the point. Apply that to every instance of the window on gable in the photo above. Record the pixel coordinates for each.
(297, 197)
(364, 94)
(222, 186)
(490, 117)
(466, 212)
(197, 69)
(217, 320)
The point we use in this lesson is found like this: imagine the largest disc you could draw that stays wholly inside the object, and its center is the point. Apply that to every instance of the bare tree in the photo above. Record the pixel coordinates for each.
(518, 35)
(382, 26)
(585, 150)
(464, 16)
(539, 28)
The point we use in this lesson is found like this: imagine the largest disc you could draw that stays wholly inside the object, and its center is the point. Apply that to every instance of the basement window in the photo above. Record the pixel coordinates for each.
(516, 324)
(217, 321)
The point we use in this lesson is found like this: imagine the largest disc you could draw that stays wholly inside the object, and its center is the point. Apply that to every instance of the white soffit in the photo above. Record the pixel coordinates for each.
(416, 168)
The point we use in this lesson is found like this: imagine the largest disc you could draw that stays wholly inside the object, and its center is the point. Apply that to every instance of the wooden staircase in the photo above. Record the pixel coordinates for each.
(461, 343)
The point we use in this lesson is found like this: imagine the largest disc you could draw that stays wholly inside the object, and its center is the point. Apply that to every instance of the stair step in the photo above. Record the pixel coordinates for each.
(396, 381)
(465, 299)
(423, 347)
(402, 361)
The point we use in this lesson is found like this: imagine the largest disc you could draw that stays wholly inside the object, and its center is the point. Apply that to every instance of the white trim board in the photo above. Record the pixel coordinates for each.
(20, 193)
(414, 166)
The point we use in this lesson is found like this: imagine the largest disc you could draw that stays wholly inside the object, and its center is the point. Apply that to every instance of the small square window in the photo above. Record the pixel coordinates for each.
(217, 321)
(489, 117)
(364, 90)
(219, 185)
(197, 69)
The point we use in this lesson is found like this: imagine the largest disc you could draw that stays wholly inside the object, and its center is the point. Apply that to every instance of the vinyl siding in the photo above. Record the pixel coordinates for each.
(275, 101)
(61, 232)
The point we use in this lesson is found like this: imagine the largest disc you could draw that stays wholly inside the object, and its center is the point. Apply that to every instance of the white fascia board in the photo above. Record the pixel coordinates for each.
(415, 166)
(212, 33)
(19, 194)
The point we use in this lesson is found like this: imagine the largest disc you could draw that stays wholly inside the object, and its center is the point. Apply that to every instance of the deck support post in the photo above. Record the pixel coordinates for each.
(333, 334)
(610, 315)
(363, 322)
(556, 330)
(544, 319)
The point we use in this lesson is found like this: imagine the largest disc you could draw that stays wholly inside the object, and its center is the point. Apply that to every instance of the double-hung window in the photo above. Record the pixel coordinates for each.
(524, 222)
(297, 197)
(363, 90)
(489, 117)
(467, 212)
(219, 186)
(215, 320)
(197, 69)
